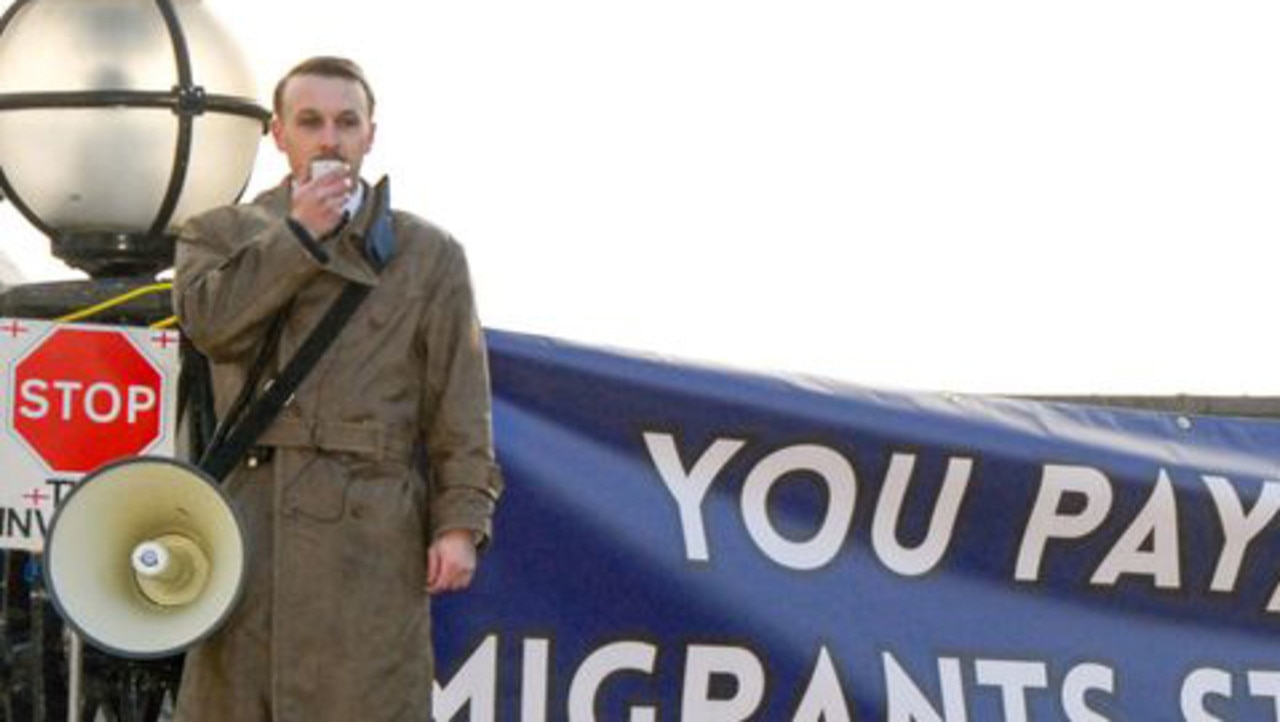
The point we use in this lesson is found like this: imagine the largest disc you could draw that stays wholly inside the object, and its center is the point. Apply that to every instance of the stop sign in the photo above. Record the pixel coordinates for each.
(82, 397)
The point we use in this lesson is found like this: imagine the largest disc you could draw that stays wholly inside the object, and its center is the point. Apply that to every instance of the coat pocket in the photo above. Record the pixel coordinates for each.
(320, 489)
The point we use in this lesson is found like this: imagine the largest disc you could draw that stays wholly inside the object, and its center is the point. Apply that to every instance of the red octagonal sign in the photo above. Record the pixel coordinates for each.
(83, 397)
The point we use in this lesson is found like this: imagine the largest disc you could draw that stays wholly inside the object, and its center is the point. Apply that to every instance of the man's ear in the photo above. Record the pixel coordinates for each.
(277, 131)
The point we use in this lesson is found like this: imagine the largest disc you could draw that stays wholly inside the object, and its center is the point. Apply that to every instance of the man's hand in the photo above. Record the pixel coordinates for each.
(451, 561)
(317, 203)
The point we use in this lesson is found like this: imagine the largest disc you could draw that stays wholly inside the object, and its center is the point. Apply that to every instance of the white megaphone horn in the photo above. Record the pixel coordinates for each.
(145, 557)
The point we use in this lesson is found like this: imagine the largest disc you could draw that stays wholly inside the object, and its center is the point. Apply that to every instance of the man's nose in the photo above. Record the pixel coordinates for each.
(329, 136)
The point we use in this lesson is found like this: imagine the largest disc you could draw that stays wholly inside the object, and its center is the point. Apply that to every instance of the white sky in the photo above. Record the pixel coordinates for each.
(971, 195)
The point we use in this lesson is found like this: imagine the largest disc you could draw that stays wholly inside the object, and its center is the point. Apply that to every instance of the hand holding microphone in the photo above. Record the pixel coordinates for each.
(318, 200)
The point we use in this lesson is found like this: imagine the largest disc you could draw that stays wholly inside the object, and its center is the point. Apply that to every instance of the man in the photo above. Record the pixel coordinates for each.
(347, 534)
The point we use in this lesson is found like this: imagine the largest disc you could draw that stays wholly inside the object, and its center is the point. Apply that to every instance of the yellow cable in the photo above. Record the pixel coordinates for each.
(112, 302)
(165, 323)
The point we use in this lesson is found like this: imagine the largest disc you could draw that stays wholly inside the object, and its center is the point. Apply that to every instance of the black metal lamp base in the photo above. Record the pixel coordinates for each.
(103, 255)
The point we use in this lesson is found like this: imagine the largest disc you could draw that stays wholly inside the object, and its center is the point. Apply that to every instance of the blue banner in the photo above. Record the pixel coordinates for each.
(687, 543)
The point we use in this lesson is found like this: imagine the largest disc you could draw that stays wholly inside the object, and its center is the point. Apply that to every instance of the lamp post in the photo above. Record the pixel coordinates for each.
(118, 120)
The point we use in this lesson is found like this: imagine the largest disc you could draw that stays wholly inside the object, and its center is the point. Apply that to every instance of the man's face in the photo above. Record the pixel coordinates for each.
(323, 117)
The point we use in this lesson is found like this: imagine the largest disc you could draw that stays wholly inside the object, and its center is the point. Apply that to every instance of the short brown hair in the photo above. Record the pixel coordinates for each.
(328, 66)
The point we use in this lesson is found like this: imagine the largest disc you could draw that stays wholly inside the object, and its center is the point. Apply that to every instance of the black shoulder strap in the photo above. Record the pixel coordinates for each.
(227, 450)
(266, 352)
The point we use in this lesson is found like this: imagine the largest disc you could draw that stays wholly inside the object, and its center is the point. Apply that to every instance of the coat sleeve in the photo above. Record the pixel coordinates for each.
(235, 269)
(465, 479)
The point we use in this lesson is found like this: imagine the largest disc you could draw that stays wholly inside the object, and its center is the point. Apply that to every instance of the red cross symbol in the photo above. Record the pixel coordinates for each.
(165, 338)
(36, 497)
(13, 328)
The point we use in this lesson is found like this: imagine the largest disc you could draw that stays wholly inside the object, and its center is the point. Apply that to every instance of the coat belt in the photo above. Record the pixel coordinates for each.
(372, 439)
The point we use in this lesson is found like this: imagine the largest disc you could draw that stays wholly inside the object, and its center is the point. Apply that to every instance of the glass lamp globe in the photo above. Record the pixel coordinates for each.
(118, 120)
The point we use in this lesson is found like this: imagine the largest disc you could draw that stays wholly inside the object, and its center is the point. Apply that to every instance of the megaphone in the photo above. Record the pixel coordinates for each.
(145, 557)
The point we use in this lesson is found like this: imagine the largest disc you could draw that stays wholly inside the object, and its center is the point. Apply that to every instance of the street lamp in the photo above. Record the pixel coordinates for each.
(118, 119)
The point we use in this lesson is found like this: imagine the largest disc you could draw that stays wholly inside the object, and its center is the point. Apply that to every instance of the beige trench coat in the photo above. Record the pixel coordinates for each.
(335, 623)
